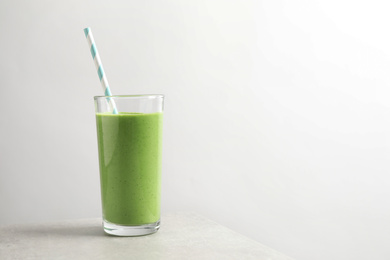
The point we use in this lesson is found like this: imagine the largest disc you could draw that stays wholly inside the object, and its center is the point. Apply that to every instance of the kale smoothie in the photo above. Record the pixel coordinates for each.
(130, 147)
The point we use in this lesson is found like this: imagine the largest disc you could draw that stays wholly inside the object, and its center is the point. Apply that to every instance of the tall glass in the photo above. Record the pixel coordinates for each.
(130, 148)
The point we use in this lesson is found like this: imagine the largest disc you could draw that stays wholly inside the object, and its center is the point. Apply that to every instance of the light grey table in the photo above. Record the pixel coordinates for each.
(181, 236)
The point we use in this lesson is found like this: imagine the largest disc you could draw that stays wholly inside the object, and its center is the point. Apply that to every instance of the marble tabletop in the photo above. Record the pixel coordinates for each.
(181, 236)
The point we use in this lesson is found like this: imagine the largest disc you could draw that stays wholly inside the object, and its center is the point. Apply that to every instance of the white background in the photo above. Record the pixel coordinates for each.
(277, 115)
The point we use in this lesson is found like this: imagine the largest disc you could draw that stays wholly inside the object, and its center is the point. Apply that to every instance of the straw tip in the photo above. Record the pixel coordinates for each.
(86, 31)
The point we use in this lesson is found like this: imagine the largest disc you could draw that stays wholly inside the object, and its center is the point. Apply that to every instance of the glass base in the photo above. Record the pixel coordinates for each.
(130, 231)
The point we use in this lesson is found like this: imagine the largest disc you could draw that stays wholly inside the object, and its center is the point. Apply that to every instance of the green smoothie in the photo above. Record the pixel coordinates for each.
(130, 147)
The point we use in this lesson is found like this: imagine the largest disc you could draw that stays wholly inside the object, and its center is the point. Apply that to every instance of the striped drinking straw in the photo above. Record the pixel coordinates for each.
(99, 67)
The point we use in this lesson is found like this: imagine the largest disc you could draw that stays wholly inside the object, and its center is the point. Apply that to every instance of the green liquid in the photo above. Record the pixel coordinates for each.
(130, 166)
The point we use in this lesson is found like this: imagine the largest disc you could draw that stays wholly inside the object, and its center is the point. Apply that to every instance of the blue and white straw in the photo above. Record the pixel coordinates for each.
(99, 67)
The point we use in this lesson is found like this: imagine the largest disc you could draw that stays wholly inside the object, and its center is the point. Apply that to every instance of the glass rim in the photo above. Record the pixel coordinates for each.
(149, 96)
